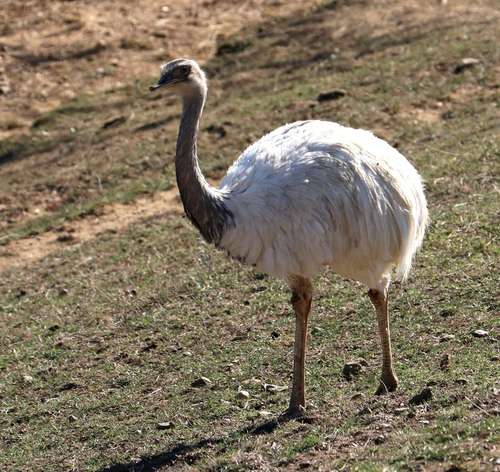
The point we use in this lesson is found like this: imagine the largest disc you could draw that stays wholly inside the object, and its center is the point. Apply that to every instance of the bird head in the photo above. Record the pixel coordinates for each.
(184, 75)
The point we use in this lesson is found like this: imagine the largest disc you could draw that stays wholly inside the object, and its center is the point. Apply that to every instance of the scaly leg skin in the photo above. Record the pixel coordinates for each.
(388, 381)
(302, 292)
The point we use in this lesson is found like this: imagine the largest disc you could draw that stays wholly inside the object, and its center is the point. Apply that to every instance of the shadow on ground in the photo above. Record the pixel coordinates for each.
(188, 454)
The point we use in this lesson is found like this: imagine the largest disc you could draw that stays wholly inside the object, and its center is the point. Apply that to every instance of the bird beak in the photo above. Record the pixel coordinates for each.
(164, 80)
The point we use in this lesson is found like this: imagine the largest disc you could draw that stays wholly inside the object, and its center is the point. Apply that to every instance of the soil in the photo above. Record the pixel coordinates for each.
(53, 51)
(111, 218)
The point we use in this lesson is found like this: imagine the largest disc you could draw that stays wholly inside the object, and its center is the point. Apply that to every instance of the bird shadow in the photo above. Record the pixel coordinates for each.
(190, 453)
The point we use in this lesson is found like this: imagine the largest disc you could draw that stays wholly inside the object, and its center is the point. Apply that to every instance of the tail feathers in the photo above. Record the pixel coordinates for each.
(413, 242)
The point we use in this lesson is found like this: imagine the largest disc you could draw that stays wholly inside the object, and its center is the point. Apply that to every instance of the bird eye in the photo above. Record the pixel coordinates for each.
(185, 70)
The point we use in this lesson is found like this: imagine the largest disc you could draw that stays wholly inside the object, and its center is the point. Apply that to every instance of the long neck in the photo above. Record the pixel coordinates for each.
(203, 204)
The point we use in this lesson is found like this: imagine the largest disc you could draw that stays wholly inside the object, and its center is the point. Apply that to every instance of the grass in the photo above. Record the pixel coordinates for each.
(102, 342)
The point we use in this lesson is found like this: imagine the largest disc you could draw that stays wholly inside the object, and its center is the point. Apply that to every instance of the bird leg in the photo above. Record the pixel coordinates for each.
(302, 292)
(388, 381)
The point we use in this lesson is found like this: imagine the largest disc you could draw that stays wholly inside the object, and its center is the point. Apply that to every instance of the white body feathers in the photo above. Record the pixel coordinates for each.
(316, 193)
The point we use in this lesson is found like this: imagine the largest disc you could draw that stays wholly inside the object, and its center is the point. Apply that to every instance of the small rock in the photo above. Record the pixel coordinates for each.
(358, 396)
(365, 411)
(470, 61)
(466, 63)
(69, 386)
(273, 388)
(305, 465)
(363, 362)
(27, 378)
(352, 369)
(114, 122)
(446, 337)
(72, 418)
(201, 382)
(243, 394)
(150, 346)
(165, 425)
(21, 293)
(495, 358)
(461, 381)
(445, 362)
(479, 333)
(65, 238)
(424, 395)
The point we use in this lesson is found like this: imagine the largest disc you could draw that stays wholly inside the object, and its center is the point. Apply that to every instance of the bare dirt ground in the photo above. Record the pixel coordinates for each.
(111, 218)
(46, 46)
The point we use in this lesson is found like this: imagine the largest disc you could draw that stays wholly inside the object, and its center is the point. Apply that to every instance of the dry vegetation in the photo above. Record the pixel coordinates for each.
(111, 307)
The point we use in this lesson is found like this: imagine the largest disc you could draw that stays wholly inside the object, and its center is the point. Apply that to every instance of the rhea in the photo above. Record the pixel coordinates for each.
(307, 195)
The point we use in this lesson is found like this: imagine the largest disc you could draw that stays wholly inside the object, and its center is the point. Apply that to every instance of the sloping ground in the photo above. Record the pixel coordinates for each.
(55, 51)
(110, 218)
(105, 339)
(58, 53)
(59, 58)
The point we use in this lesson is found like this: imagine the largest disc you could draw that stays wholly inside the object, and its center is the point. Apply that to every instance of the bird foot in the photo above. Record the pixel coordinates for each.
(386, 386)
(294, 411)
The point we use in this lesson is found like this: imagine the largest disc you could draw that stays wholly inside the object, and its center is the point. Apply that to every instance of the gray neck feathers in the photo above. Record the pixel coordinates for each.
(203, 204)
